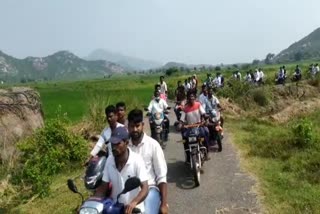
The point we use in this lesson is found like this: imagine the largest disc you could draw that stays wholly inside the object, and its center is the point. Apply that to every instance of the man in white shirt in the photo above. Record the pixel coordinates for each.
(153, 156)
(203, 97)
(121, 113)
(163, 86)
(158, 105)
(256, 76)
(120, 166)
(112, 118)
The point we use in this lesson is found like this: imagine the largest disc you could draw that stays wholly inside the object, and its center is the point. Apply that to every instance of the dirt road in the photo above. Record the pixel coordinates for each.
(224, 187)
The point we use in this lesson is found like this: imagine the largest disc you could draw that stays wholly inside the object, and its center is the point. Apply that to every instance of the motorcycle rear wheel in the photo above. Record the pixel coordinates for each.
(196, 169)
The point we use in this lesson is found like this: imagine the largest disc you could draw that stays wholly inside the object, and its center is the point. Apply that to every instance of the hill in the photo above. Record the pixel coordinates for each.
(62, 65)
(307, 48)
(128, 62)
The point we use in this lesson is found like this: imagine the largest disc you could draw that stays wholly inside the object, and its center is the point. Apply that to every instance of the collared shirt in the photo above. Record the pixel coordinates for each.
(157, 106)
(193, 113)
(212, 104)
(202, 100)
(104, 138)
(152, 154)
(134, 167)
(163, 87)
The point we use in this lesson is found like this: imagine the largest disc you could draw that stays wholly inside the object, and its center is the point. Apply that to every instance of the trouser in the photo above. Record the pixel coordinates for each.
(167, 123)
(152, 201)
(177, 111)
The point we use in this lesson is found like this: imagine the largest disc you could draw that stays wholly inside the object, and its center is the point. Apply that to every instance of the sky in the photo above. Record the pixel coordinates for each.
(189, 31)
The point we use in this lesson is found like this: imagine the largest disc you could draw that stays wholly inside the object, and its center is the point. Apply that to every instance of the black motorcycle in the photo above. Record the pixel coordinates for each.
(196, 149)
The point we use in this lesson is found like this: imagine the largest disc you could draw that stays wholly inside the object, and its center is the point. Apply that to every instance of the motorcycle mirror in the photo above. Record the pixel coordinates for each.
(72, 186)
(131, 184)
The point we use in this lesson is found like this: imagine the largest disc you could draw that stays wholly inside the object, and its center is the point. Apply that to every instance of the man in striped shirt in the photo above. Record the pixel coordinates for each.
(194, 113)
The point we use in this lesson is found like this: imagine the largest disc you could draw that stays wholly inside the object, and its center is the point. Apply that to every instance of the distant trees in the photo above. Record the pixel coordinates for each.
(269, 58)
(255, 62)
(171, 71)
(217, 68)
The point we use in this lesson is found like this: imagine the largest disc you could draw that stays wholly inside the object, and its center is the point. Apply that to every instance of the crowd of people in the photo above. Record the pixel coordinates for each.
(132, 153)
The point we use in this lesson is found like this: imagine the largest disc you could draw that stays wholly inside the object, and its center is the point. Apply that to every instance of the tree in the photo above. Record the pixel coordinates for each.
(269, 58)
(298, 56)
(217, 68)
(171, 71)
(255, 62)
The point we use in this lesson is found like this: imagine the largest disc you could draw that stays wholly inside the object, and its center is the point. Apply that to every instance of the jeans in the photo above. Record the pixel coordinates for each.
(152, 201)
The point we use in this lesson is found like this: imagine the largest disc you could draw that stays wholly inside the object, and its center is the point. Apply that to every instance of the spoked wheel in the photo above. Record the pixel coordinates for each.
(196, 169)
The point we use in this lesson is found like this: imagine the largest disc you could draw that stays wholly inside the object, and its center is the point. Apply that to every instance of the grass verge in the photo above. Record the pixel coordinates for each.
(289, 175)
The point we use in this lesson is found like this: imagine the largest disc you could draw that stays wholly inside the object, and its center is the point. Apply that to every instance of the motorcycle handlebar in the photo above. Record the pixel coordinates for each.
(193, 125)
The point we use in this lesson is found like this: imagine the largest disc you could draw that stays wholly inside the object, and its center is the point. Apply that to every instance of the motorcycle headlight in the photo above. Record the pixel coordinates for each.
(88, 210)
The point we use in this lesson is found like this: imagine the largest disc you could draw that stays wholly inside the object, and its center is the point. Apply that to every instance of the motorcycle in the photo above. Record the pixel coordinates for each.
(159, 131)
(215, 129)
(196, 149)
(94, 172)
(106, 205)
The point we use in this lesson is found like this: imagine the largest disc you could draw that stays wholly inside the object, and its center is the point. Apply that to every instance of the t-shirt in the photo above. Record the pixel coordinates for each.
(163, 87)
(135, 167)
(157, 106)
(193, 113)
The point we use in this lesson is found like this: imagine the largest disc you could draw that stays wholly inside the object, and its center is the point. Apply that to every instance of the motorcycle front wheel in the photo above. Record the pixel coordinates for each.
(196, 169)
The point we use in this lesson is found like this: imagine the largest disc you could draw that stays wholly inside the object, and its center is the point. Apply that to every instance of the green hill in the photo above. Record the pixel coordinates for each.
(62, 65)
(307, 48)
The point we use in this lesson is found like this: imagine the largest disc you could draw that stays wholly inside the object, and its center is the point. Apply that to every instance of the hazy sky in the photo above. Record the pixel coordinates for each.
(190, 31)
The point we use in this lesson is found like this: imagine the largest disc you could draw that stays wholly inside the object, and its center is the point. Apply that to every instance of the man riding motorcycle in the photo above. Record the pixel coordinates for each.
(155, 162)
(216, 121)
(194, 114)
(120, 166)
(159, 106)
(112, 118)
(180, 100)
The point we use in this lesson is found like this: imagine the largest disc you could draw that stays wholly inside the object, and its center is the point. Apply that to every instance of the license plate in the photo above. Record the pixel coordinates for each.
(192, 139)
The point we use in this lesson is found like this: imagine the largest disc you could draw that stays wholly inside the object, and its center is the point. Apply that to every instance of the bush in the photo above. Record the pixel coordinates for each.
(260, 97)
(303, 133)
(234, 89)
(48, 151)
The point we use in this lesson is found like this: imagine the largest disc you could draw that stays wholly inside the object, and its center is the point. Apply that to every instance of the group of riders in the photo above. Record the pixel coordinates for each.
(258, 77)
(132, 153)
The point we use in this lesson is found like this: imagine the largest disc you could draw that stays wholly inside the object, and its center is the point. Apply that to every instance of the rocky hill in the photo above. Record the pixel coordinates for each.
(62, 65)
(305, 49)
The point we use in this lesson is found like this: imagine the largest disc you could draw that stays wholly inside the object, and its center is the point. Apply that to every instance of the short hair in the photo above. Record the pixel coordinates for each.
(162, 77)
(121, 104)
(110, 109)
(191, 93)
(156, 86)
(135, 116)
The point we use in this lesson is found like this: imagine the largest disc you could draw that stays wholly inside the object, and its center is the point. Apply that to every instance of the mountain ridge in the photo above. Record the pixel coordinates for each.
(61, 65)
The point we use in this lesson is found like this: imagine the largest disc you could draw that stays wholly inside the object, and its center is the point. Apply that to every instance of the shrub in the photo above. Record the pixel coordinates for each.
(48, 151)
(303, 133)
(234, 89)
(260, 97)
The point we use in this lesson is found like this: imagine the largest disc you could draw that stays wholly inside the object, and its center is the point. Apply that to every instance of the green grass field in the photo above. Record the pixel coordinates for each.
(286, 184)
